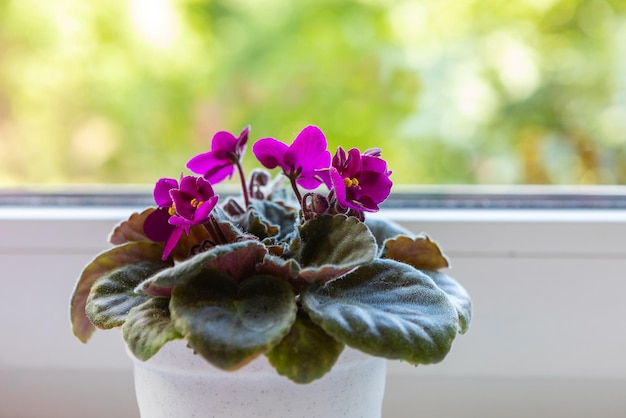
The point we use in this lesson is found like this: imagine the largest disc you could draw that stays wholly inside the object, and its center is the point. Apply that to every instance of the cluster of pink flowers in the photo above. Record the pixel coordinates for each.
(358, 182)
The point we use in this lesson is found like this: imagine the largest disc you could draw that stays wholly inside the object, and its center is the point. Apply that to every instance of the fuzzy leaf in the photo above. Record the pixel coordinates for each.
(419, 252)
(306, 353)
(230, 324)
(148, 327)
(237, 260)
(188, 243)
(131, 229)
(279, 267)
(259, 226)
(386, 309)
(457, 295)
(336, 240)
(103, 263)
(324, 273)
(113, 295)
(276, 214)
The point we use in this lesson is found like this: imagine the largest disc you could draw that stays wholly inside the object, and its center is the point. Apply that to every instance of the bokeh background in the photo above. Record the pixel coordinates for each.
(454, 91)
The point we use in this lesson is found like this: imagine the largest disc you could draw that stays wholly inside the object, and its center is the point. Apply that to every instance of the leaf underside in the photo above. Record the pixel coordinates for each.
(419, 252)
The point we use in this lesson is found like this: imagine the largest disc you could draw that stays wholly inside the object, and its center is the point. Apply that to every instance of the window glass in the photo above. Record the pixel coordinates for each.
(464, 92)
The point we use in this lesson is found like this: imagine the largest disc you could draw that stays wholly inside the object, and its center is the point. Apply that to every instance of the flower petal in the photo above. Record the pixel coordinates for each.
(212, 168)
(270, 152)
(156, 226)
(162, 191)
(242, 140)
(224, 142)
(375, 185)
(352, 165)
(204, 211)
(203, 189)
(308, 152)
(177, 232)
(339, 186)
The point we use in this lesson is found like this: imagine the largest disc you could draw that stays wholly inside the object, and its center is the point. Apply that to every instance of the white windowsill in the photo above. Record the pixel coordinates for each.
(546, 340)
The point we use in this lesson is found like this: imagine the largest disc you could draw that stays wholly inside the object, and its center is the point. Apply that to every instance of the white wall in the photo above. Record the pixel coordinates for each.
(547, 338)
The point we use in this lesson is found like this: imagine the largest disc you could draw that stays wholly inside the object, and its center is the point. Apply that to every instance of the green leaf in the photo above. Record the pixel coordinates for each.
(286, 269)
(230, 324)
(238, 260)
(259, 226)
(419, 252)
(336, 240)
(276, 214)
(387, 309)
(306, 353)
(105, 262)
(457, 295)
(113, 295)
(148, 327)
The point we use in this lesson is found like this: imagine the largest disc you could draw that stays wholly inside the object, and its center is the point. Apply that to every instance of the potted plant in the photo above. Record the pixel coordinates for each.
(285, 277)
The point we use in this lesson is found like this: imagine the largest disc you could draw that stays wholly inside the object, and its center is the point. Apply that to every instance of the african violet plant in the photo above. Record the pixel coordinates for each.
(292, 276)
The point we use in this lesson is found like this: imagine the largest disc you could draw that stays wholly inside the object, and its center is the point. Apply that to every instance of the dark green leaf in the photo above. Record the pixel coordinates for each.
(113, 295)
(279, 267)
(387, 309)
(273, 219)
(148, 327)
(105, 262)
(306, 353)
(338, 240)
(281, 215)
(259, 226)
(238, 260)
(230, 324)
(457, 295)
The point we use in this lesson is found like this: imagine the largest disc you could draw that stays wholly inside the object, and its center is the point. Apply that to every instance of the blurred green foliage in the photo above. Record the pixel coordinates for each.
(473, 91)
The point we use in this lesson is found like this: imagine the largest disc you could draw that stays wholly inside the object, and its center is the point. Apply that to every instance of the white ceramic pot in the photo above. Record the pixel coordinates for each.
(177, 383)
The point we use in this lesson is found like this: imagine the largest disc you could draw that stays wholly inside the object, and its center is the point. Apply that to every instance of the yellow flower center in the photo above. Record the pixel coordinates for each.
(195, 203)
(351, 182)
(171, 211)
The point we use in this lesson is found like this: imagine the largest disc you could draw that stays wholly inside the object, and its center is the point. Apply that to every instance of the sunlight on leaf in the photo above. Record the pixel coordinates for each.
(306, 353)
(148, 327)
(419, 252)
(113, 294)
(103, 263)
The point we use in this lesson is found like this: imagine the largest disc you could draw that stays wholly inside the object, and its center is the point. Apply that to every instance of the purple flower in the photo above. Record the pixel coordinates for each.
(360, 181)
(302, 160)
(226, 152)
(180, 207)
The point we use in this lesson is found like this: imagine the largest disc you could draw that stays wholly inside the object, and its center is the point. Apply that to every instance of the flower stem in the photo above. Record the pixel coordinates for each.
(246, 197)
(294, 186)
(218, 229)
(215, 232)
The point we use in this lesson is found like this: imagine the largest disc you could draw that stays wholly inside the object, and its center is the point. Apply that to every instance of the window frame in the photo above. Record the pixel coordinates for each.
(528, 267)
